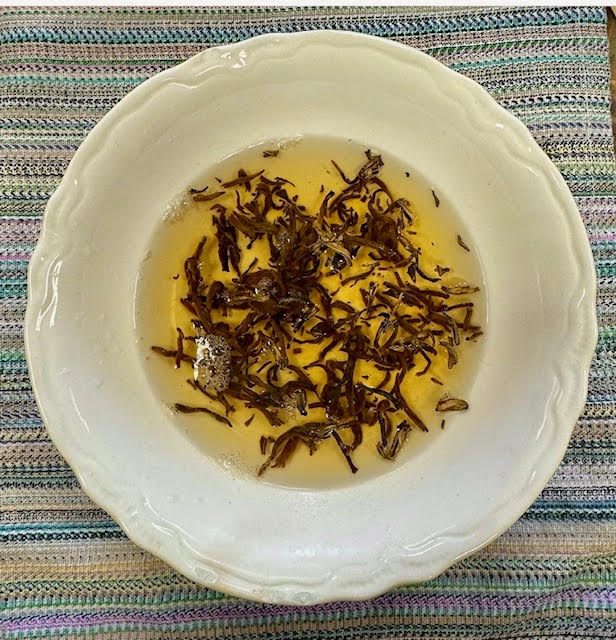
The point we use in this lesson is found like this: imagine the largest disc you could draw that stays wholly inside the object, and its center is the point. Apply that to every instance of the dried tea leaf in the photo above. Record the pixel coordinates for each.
(446, 403)
(462, 244)
(255, 318)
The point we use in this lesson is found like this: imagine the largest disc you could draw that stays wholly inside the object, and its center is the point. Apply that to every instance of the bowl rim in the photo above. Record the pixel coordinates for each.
(587, 338)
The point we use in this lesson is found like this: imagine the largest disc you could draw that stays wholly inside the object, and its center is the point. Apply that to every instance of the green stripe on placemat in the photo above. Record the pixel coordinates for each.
(66, 569)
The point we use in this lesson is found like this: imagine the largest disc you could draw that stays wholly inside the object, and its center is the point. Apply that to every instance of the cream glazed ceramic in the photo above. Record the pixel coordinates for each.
(230, 531)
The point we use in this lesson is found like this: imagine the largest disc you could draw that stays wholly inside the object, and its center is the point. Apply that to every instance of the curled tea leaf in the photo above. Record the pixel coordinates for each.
(446, 403)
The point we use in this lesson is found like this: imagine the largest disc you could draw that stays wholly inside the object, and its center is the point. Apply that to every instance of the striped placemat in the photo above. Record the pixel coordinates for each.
(66, 569)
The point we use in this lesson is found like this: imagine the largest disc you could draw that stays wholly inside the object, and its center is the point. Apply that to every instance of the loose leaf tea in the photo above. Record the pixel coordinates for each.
(451, 404)
(463, 244)
(251, 324)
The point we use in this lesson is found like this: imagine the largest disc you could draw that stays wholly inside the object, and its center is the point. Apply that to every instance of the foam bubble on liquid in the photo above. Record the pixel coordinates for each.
(264, 287)
(234, 464)
(176, 207)
(288, 143)
(291, 406)
(212, 368)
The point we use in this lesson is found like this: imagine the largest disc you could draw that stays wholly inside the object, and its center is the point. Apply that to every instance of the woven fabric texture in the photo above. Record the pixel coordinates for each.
(66, 569)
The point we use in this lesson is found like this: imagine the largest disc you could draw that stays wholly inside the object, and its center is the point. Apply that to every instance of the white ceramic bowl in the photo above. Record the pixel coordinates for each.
(271, 543)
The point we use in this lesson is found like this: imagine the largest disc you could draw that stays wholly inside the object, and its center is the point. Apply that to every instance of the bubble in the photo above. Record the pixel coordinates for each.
(290, 408)
(234, 465)
(284, 240)
(176, 206)
(264, 287)
(212, 368)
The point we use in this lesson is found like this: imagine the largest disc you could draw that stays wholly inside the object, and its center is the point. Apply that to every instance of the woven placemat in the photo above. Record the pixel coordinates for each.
(66, 569)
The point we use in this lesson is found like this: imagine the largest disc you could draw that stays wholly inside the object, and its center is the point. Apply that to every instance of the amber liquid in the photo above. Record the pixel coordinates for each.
(161, 284)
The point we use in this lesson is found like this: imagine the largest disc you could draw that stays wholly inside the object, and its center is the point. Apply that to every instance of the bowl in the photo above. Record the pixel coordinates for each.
(226, 529)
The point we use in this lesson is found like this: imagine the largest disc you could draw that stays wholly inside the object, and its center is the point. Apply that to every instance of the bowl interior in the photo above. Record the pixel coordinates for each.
(305, 162)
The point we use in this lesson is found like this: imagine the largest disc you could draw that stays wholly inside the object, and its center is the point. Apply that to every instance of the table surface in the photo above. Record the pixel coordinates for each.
(66, 569)
(611, 34)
